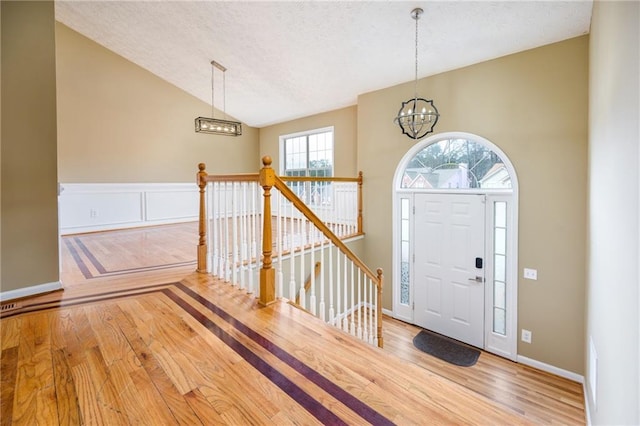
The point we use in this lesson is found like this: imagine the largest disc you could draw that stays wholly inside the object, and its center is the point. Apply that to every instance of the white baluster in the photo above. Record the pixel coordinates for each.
(312, 297)
(252, 237)
(241, 239)
(234, 234)
(244, 239)
(353, 301)
(345, 320)
(214, 228)
(375, 316)
(227, 235)
(371, 307)
(359, 305)
(302, 291)
(336, 318)
(279, 277)
(255, 193)
(292, 248)
(322, 280)
(221, 238)
(332, 311)
(365, 331)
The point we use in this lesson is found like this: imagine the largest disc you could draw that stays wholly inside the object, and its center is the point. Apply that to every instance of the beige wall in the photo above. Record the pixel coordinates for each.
(533, 105)
(613, 291)
(29, 192)
(344, 122)
(119, 123)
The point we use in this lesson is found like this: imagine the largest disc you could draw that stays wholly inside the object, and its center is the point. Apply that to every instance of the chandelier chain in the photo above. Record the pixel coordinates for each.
(415, 83)
(213, 97)
(224, 94)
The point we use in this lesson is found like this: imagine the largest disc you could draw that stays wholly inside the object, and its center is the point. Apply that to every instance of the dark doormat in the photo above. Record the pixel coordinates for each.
(446, 349)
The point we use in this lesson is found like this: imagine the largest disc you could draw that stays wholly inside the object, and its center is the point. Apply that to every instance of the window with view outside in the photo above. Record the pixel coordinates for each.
(310, 154)
(456, 163)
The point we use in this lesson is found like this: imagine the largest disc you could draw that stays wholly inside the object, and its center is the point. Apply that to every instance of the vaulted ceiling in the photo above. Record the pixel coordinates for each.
(287, 60)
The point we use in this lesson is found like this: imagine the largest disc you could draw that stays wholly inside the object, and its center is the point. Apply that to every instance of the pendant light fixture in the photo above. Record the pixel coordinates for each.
(417, 117)
(215, 125)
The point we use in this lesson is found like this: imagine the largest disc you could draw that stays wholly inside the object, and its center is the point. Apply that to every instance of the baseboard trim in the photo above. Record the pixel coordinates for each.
(33, 290)
(388, 312)
(587, 411)
(550, 369)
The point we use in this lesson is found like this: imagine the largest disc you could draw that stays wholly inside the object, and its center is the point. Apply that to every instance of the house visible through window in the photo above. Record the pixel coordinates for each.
(309, 154)
(457, 164)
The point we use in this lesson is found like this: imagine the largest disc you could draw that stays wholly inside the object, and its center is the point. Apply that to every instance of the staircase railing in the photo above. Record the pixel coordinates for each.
(239, 213)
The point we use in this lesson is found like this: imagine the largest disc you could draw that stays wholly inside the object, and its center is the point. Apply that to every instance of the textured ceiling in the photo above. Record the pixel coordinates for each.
(292, 59)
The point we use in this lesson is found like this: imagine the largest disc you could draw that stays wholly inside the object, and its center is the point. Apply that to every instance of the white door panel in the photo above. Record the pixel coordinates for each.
(449, 236)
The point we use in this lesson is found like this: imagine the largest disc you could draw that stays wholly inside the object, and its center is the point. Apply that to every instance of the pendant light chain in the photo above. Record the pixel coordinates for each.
(213, 99)
(415, 84)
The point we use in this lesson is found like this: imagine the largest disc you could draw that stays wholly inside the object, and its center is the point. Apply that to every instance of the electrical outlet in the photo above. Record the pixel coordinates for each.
(93, 213)
(531, 274)
(526, 336)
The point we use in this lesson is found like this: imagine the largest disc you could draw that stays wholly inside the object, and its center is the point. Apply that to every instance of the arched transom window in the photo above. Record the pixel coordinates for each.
(456, 164)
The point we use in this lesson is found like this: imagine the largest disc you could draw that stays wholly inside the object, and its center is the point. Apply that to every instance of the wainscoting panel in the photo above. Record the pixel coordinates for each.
(105, 206)
(172, 204)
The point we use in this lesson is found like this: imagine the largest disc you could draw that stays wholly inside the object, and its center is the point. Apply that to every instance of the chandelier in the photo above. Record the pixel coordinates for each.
(418, 116)
(215, 125)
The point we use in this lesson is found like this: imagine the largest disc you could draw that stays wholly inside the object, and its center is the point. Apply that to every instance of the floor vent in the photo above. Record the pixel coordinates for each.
(9, 307)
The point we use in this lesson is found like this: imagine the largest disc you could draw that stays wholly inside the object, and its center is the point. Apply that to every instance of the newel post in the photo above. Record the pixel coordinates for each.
(267, 273)
(360, 202)
(202, 220)
(379, 308)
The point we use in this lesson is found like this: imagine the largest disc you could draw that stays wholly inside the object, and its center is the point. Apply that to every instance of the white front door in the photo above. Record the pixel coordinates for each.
(449, 246)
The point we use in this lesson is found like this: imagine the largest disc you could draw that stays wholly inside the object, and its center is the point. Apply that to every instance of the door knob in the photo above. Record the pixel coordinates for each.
(477, 279)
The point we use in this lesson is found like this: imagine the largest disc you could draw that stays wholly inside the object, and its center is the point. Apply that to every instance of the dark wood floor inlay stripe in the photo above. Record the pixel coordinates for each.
(313, 406)
(356, 405)
(90, 256)
(103, 271)
(76, 257)
(80, 300)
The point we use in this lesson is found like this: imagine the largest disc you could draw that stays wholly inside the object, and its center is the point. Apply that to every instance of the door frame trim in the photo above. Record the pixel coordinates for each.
(505, 346)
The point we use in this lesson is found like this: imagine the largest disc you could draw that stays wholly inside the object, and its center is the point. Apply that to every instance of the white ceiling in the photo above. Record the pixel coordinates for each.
(287, 59)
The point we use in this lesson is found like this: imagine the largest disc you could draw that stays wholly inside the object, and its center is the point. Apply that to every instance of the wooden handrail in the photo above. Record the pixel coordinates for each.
(357, 180)
(241, 177)
(318, 179)
(311, 216)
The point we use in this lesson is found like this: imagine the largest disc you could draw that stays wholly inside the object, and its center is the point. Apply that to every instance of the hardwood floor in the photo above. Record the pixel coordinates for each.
(137, 337)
